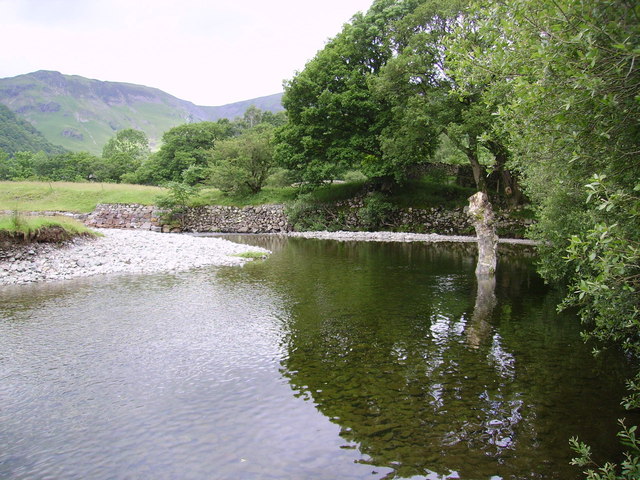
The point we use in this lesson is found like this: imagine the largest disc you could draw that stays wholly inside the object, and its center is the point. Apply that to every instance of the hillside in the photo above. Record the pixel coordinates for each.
(17, 135)
(82, 114)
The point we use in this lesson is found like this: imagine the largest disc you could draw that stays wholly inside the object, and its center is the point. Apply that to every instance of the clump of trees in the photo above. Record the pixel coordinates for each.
(379, 98)
(236, 156)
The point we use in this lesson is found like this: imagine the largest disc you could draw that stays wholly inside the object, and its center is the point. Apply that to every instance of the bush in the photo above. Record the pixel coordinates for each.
(281, 178)
(176, 201)
(305, 214)
(354, 176)
(377, 212)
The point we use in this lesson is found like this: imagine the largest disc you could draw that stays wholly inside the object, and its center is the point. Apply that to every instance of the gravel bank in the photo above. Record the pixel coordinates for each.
(118, 251)
(397, 237)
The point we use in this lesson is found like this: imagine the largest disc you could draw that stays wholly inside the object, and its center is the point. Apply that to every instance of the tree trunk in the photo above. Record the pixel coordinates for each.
(509, 181)
(481, 215)
(476, 167)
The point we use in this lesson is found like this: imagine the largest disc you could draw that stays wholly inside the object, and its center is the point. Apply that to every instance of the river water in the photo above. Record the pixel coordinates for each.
(327, 361)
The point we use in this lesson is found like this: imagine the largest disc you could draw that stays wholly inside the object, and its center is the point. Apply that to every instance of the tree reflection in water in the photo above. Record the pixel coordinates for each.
(428, 379)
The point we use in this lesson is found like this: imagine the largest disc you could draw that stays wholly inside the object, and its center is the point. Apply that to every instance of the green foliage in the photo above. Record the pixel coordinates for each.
(354, 176)
(307, 214)
(184, 148)
(376, 212)
(123, 154)
(570, 71)
(335, 121)
(629, 469)
(280, 178)
(606, 262)
(176, 201)
(241, 165)
(573, 109)
(18, 135)
(425, 193)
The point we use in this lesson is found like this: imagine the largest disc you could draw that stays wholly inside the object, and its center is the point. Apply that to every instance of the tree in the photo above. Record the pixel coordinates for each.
(124, 153)
(425, 103)
(242, 164)
(335, 121)
(572, 73)
(20, 166)
(68, 167)
(185, 148)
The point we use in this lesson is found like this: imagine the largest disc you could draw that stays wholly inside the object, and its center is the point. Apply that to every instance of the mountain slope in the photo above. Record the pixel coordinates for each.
(82, 114)
(18, 135)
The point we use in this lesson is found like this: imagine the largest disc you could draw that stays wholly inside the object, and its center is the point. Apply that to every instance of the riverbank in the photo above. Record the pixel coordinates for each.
(144, 251)
(116, 252)
(344, 236)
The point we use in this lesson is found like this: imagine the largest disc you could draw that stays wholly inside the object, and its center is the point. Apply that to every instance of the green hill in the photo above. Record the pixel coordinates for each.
(82, 114)
(18, 135)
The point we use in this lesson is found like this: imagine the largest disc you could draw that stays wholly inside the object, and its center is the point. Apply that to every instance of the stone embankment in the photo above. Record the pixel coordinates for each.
(258, 219)
(125, 215)
(272, 219)
(116, 252)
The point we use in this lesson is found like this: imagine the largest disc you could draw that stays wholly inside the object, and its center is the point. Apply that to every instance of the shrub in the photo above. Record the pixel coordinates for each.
(377, 212)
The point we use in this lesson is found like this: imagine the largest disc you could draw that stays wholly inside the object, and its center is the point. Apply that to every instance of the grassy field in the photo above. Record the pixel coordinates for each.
(71, 197)
(83, 197)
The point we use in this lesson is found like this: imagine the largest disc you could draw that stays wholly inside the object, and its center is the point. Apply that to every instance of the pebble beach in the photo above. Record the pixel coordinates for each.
(116, 252)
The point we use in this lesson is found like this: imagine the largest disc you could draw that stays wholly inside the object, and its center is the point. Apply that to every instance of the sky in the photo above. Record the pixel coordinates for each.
(209, 52)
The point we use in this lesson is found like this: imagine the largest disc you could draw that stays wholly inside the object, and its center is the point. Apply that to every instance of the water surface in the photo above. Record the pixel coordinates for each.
(329, 360)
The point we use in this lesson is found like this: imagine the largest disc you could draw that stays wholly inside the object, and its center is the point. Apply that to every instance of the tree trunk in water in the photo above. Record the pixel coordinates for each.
(483, 220)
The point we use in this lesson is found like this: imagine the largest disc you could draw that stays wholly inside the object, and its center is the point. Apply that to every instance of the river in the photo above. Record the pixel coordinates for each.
(329, 360)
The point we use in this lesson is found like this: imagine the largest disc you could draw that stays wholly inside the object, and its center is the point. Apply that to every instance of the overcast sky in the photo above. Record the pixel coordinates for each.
(210, 52)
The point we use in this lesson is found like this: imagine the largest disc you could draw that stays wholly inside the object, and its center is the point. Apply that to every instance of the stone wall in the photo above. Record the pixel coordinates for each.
(259, 219)
(125, 215)
(347, 215)
(272, 219)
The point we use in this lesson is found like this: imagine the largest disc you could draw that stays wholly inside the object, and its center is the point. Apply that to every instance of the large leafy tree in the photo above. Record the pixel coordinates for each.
(184, 154)
(241, 165)
(426, 105)
(572, 114)
(335, 121)
(124, 153)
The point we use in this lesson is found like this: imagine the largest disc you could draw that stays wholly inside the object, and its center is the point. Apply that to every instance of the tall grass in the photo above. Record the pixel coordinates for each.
(28, 226)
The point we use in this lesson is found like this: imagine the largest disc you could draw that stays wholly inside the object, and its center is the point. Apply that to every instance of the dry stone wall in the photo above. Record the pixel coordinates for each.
(272, 219)
(125, 215)
(259, 219)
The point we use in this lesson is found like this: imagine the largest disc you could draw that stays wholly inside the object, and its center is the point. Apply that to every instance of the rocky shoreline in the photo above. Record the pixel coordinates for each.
(142, 251)
(345, 236)
(116, 252)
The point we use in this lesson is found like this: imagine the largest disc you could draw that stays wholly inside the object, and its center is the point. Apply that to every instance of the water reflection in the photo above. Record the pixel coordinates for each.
(430, 375)
(328, 360)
